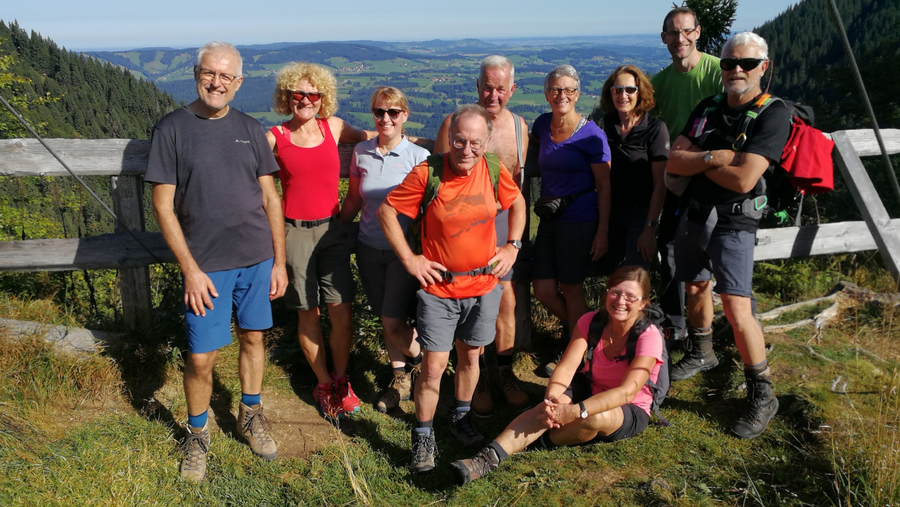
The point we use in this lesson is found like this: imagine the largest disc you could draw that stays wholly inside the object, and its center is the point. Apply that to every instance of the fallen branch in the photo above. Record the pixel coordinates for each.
(817, 355)
(781, 310)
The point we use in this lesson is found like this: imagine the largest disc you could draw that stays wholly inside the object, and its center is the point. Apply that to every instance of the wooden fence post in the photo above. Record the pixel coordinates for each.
(134, 283)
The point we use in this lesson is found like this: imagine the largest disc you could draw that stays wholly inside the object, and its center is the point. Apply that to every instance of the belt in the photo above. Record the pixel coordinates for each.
(309, 224)
(747, 206)
(449, 276)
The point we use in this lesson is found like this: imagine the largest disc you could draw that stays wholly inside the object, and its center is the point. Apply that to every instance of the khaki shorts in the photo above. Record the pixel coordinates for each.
(318, 265)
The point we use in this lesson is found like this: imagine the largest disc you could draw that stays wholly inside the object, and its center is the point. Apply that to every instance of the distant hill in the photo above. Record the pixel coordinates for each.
(811, 67)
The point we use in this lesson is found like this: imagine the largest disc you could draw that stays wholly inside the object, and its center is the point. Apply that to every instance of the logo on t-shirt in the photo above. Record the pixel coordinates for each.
(241, 141)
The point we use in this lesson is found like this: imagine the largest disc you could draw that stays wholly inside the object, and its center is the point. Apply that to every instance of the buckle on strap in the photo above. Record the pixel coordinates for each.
(450, 276)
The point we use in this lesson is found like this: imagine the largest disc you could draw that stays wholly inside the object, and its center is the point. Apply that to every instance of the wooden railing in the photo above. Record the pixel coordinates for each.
(126, 160)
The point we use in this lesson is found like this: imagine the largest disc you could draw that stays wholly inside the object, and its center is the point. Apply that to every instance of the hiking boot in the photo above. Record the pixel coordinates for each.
(463, 429)
(400, 389)
(194, 450)
(423, 449)
(344, 395)
(254, 427)
(324, 396)
(699, 356)
(505, 380)
(761, 407)
(467, 470)
(482, 404)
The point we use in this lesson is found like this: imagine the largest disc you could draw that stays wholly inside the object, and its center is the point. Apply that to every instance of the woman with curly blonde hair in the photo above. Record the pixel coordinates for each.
(318, 255)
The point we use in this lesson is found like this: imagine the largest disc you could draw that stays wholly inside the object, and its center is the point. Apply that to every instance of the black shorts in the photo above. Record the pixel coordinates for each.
(634, 422)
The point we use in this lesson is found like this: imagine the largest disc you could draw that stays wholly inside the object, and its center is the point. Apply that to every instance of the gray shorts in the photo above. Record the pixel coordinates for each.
(390, 289)
(318, 263)
(728, 257)
(471, 320)
(562, 251)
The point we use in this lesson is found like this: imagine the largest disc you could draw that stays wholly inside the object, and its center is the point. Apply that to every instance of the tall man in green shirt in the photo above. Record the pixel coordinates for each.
(678, 88)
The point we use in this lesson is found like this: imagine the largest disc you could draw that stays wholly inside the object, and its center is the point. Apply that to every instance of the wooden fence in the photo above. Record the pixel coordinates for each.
(125, 162)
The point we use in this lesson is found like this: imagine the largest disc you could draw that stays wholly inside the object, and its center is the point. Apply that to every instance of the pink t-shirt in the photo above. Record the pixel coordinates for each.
(607, 374)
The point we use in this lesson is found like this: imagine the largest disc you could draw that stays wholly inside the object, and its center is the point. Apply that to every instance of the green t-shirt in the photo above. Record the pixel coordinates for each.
(678, 94)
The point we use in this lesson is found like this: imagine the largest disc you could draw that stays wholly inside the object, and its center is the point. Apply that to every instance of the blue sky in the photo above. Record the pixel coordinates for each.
(107, 24)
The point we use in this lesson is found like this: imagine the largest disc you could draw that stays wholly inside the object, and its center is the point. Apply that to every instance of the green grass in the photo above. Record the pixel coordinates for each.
(69, 424)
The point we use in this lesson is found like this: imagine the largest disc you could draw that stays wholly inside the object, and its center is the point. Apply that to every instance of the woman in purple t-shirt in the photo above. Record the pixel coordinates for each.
(574, 160)
(607, 400)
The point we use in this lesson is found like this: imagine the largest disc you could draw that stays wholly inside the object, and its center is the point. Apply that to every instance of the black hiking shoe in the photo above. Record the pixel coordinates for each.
(467, 470)
(423, 449)
(699, 357)
(462, 428)
(762, 405)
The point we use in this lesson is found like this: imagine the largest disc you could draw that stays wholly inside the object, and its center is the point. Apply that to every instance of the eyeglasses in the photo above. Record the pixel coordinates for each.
(684, 31)
(613, 293)
(556, 91)
(393, 113)
(460, 143)
(210, 75)
(745, 63)
(312, 96)
(630, 90)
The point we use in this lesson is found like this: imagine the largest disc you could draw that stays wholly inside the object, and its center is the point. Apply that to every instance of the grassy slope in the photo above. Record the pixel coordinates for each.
(71, 437)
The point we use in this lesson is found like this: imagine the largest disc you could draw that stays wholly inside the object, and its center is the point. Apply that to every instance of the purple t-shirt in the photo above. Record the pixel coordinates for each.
(566, 166)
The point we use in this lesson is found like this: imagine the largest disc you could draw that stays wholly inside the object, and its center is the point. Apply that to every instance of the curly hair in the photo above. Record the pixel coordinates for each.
(645, 100)
(392, 95)
(320, 77)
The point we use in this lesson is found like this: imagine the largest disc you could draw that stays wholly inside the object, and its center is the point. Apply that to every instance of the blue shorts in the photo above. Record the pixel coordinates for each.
(249, 289)
(728, 257)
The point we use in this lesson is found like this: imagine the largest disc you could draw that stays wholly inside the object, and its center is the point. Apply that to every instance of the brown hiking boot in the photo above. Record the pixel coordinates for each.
(400, 389)
(194, 450)
(482, 404)
(254, 427)
(507, 383)
(467, 470)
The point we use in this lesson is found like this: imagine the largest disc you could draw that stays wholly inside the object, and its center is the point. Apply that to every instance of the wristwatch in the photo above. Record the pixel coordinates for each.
(708, 157)
(652, 223)
(584, 412)
(516, 243)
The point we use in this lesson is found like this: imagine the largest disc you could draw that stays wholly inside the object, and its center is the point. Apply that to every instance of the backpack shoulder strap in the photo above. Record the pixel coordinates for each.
(595, 331)
(435, 171)
(493, 162)
(517, 120)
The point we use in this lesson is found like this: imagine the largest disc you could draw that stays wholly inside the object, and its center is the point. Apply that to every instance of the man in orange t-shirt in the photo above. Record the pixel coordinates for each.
(458, 237)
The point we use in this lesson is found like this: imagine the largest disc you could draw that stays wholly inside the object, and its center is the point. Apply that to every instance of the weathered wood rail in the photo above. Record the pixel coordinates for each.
(126, 160)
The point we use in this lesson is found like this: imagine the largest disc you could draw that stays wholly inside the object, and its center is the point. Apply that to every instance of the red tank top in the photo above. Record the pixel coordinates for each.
(309, 176)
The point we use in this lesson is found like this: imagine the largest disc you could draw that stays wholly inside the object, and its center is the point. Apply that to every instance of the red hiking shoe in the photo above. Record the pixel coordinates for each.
(344, 395)
(324, 396)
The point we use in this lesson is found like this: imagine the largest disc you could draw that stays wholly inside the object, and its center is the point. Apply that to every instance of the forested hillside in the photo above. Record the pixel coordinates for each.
(88, 98)
(811, 67)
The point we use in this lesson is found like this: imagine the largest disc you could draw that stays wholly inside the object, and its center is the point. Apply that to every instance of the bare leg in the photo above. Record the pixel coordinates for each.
(547, 293)
(505, 339)
(399, 340)
(341, 333)
(312, 343)
(575, 303)
(198, 381)
(700, 305)
(466, 371)
(428, 385)
(748, 336)
(252, 361)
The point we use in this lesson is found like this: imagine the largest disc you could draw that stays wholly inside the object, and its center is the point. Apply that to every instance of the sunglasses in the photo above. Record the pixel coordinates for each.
(619, 90)
(312, 96)
(393, 113)
(745, 63)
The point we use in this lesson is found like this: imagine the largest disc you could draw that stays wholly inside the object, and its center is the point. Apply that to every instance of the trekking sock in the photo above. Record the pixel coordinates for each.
(501, 454)
(198, 421)
(399, 369)
(412, 362)
(250, 399)
(754, 370)
(424, 427)
(504, 360)
(463, 407)
(701, 330)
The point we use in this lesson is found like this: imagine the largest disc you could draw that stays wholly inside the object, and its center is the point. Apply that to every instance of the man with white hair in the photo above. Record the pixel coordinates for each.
(509, 141)
(727, 148)
(215, 200)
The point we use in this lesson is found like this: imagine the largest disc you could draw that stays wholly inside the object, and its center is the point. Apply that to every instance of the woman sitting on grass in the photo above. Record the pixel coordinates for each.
(607, 400)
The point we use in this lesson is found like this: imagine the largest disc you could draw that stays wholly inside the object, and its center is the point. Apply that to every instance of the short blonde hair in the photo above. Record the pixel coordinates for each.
(318, 76)
(392, 95)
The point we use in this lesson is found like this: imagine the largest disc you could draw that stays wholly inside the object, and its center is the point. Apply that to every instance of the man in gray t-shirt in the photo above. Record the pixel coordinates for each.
(215, 200)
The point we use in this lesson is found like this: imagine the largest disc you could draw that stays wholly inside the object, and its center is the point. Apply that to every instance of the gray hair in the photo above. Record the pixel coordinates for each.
(497, 62)
(564, 70)
(744, 38)
(472, 109)
(215, 47)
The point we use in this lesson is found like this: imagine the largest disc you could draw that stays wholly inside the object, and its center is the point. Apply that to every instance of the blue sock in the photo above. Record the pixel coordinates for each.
(250, 399)
(198, 421)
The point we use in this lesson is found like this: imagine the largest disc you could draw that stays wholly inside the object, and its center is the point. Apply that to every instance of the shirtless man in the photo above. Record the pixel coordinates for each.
(510, 142)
